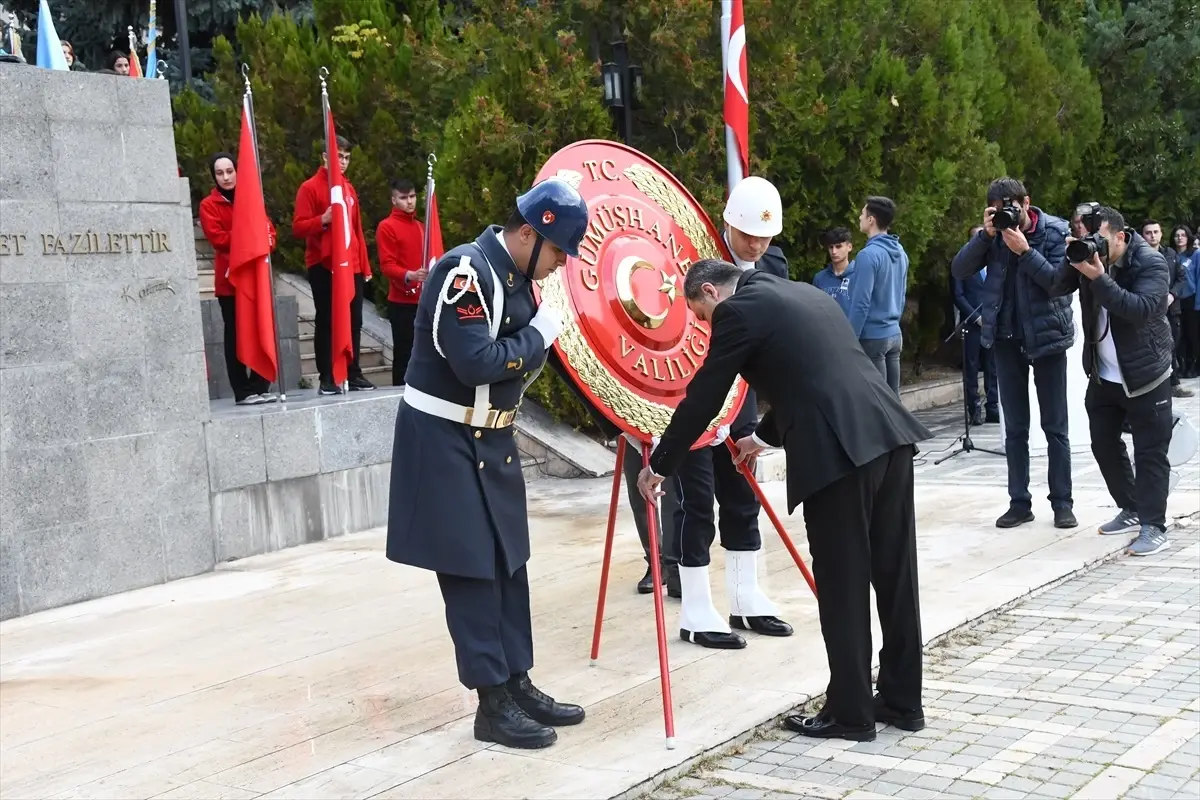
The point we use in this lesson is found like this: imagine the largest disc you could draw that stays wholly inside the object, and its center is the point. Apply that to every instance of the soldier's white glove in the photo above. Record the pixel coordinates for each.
(548, 322)
(722, 435)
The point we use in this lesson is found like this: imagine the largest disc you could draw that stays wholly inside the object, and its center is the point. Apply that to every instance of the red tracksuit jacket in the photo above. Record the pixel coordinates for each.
(399, 239)
(216, 220)
(312, 200)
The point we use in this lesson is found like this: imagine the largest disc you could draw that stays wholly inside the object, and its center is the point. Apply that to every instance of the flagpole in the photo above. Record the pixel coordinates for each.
(323, 73)
(428, 202)
(281, 376)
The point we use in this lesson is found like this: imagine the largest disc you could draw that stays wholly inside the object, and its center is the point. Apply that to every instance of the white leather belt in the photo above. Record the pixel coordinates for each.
(494, 418)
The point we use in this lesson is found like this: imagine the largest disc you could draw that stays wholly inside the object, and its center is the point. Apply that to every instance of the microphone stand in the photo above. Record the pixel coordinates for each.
(967, 445)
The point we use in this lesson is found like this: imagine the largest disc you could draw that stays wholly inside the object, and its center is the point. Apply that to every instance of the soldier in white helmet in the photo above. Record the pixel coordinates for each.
(753, 215)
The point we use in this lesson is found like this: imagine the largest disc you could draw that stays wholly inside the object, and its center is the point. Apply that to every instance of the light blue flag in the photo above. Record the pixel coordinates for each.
(151, 54)
(49, 47)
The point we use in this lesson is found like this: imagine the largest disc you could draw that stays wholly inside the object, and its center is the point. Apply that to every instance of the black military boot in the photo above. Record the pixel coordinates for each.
(540, 706)
(499, 719)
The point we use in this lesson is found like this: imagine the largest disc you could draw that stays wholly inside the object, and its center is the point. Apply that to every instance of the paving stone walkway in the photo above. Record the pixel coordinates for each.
(1089, 689)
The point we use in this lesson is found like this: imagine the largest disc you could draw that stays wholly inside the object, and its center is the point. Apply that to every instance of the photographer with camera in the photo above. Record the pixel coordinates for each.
(1025, 326)
(1123, 286)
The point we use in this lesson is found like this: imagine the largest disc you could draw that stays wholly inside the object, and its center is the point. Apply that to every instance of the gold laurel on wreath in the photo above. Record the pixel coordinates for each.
(647, 416)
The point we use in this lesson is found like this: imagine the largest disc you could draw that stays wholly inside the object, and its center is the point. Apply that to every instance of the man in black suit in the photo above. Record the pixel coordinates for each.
(849, 445)
(753, 216)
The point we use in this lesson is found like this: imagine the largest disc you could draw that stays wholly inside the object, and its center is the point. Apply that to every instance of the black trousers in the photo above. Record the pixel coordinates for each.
(1151, 421)
(1189, 340)
(321, 281)
(862, 532)
(242, 380)
(1176, 337)
(490, 626)
(402, 316)
(976, 357)
(705, 474)
(1050, 382)
(668, 504)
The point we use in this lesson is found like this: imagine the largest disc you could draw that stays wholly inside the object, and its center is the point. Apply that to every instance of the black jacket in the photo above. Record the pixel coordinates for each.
(1178, 278)
(1046, 323)
(1134, 292)
(831, 410)
(774, 262)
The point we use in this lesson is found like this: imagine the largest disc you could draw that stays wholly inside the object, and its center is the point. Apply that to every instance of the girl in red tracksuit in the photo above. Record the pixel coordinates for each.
(216, 219)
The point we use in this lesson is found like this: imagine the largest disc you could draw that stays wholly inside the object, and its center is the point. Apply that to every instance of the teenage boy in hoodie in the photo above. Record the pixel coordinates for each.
(1025, 327)
(400, 238)
(878, 289)
(838, 274)
(310, 222)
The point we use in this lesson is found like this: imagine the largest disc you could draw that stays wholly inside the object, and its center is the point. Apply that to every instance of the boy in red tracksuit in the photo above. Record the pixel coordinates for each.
(311, 223)
(400, 239)
(216, 220)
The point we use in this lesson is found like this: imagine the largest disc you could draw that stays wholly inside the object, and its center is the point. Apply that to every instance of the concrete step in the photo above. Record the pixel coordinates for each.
(367, 357)
(379, 375)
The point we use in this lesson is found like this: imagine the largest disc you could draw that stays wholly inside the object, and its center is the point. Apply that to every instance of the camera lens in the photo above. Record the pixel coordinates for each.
(1080, 250)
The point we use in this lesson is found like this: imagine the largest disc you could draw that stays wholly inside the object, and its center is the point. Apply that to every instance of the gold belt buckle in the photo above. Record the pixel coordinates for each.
(495, 418)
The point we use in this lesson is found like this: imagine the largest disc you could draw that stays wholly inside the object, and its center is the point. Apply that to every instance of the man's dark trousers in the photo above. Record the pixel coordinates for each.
(707, 472)
(402, 316)
(1176, 334)
(668, 504)
(1151, 421)
(1050, 381)
(976, 356)
(862, 532)
(321, 281)
(490, 625)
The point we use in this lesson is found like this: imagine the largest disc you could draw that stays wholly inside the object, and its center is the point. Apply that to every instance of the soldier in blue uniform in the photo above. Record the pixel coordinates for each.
(457, 502)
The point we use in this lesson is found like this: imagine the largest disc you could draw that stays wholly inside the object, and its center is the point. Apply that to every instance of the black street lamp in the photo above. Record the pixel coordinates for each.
(622, 87)
(185, 50)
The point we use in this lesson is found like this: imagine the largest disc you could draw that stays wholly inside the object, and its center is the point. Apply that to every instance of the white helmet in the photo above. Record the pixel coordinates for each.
(754, 207)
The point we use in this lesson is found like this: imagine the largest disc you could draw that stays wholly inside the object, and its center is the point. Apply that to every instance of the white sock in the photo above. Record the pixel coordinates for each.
(698, 614)
(746, 599)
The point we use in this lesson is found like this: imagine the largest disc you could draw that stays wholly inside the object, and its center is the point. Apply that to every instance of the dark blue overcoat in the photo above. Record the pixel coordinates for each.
(457, 500)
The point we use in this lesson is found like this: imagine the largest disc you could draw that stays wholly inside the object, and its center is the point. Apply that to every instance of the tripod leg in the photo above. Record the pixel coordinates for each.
(783, 534)
(664, 670)
(608, 545)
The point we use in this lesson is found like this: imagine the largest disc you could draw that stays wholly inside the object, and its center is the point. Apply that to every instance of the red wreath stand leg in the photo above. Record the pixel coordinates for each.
(656, 571)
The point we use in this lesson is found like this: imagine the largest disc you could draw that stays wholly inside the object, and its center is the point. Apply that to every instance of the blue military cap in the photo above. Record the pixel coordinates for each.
(557, 212)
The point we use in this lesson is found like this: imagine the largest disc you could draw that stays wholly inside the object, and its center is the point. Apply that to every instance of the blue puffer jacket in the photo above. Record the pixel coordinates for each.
(1047, 324)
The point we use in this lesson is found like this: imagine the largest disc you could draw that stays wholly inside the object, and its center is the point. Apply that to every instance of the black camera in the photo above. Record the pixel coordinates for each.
(1082, 249)
(1007, 216)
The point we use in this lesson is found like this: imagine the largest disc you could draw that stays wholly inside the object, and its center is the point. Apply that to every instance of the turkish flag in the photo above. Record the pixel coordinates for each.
(433, 226)
(250, 245)
(737, 96)
(135, 65)
(339, 263)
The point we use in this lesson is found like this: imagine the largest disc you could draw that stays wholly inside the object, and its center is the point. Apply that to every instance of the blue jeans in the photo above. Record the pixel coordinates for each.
(885, 355)
(1050, 382)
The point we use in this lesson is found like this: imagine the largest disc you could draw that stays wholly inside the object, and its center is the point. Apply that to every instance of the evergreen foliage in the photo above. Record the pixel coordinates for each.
(922, 100)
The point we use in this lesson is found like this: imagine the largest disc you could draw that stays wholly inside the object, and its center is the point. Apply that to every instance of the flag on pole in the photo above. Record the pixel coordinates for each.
(249, 251)
(49, 47)
(341, 341)
(737, 96)
(433, 227)
(151, 42)
(135, 66)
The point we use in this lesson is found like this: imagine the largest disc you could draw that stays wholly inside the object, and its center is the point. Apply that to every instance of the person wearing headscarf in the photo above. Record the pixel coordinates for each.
(216, 220)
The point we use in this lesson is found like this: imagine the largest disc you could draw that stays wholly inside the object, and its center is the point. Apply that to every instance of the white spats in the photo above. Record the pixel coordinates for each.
(746, 599)
(697, 613)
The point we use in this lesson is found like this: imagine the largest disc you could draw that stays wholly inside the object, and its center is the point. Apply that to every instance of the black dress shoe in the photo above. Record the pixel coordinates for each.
(1065, 518)
(1014, 517)
(646, 584)
(767, 626)
(499, 719)
(992, 418)
(715, 640)
(823, 727)
(540, 706)
(674, 588)
(904, 720)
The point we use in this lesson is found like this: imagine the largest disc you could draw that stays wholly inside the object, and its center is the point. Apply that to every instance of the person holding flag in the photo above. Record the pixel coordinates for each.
(219, 220)
(457, 501)
(328, 217)
(399, 239)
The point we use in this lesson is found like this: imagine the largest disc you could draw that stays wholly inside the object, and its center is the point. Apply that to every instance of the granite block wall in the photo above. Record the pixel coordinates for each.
(103, 395)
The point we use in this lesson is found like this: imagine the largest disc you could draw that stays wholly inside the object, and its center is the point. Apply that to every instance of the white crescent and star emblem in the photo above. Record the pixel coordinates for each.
(733, 67)
(338, 198)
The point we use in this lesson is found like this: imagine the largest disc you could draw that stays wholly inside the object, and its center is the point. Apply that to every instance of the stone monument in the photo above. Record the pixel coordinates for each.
(103, 399)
